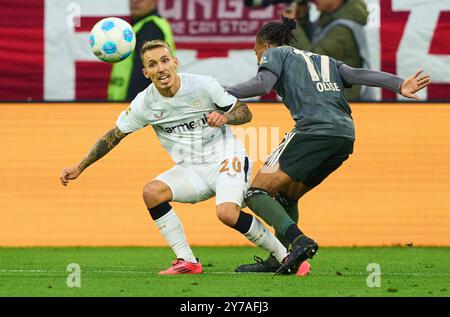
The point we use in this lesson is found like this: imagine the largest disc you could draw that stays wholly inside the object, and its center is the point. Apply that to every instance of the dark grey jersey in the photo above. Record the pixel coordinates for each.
(311, 88)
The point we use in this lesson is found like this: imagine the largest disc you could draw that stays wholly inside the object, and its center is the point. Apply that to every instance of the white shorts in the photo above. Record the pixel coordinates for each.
(228, 181)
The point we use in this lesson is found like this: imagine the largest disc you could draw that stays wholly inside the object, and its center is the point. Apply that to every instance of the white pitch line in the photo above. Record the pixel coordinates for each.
(343, 274)
(23, 271)
(223, 273)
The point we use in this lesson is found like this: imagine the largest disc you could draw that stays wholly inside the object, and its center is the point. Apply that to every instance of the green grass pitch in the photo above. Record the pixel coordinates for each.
(132, 271)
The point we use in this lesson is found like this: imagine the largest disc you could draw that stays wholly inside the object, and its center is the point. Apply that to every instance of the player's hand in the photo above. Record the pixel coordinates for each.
(217, 120)
(413, 84)
(69, 173)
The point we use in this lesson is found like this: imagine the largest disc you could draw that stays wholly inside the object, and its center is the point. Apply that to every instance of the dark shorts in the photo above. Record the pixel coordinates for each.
(310, 158)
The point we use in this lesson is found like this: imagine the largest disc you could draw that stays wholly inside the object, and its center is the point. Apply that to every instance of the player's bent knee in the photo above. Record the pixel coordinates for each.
(270, 182)
(155, 193)
(228, 213)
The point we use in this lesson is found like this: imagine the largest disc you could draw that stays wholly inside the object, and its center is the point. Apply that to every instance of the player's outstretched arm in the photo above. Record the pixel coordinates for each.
(240, 114)
(259, 85)
(368, 77)
(105, 144)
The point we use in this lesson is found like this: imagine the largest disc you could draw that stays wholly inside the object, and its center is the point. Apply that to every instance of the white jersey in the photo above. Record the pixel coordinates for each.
(180, 122)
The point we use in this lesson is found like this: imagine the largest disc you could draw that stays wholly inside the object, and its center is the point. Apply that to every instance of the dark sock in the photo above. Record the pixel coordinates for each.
(160, 210)
(291, 207)
(260, 202)
(292, 233)
(282, 239)
(244, 222)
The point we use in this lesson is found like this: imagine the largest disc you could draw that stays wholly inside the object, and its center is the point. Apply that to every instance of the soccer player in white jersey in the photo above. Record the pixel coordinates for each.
(189, 114)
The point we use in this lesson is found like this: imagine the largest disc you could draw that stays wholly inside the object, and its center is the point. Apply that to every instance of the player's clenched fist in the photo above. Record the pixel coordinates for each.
(216, 119)
(68, 174)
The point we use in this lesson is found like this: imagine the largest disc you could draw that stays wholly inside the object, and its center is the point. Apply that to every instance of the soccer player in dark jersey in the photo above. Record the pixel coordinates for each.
(311, 87)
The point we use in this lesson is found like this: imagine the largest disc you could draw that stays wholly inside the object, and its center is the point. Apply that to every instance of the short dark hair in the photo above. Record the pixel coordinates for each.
(150, 45)
(277, 33)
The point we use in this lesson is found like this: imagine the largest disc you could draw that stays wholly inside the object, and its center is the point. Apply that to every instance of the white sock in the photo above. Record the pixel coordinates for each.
(263, 238)
(172, 230)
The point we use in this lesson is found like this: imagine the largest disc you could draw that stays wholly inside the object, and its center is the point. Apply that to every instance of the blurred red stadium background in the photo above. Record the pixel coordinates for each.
(45, 43)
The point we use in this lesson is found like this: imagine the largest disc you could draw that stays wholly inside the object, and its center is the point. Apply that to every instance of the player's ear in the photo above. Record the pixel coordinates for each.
(176, 62)
(146, 75)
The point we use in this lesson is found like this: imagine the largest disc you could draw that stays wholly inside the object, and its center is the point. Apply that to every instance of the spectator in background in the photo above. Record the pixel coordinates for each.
(263, 3)
(339, 33)
(127, 79)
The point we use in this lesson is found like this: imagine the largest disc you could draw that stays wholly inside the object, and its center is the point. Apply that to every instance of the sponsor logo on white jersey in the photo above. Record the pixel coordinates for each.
(186, 126)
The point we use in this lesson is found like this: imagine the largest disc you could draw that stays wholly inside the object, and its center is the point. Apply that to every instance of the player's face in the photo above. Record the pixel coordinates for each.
(161, 68)
(140, 8)
(260, 48)
(325, 5)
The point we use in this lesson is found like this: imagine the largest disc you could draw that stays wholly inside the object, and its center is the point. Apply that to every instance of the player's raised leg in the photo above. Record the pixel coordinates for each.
(268, 183)
(231, 184)
(157, 195)
(232, 215)
(288, 197)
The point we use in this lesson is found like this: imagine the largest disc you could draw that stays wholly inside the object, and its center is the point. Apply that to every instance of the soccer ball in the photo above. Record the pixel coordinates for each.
(112, 40)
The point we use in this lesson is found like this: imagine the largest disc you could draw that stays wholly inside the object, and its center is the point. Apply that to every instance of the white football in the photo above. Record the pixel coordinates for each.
(112, 40)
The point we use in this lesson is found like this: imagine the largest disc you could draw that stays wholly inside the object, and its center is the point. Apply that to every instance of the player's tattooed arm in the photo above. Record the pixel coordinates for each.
(240, 114)
(105, 144)
(100, 149)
